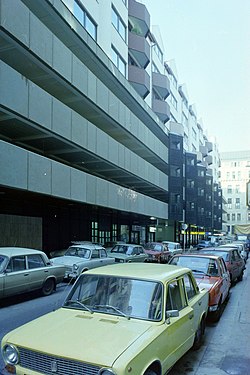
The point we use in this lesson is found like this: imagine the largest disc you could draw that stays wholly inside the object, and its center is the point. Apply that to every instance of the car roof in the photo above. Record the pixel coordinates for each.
(146, 271)
(86, 245)
(12, 251)
(222, 249)
(197, 255)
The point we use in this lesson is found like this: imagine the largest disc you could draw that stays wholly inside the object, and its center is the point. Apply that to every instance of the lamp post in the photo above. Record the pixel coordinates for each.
(184, 228)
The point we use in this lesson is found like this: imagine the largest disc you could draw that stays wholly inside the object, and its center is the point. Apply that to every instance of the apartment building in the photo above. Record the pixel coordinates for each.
(235, 174)
(94, 127)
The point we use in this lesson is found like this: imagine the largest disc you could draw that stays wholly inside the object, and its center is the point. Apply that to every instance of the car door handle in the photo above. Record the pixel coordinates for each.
(199, 303)
(191, 316)
(46, 271)
(26, 274)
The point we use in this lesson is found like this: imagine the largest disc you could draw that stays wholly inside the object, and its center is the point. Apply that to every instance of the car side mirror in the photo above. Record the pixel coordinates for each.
(172, 313)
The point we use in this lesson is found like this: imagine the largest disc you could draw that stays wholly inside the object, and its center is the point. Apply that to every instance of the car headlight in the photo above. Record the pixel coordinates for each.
(106, 372)
(75, 267)
(10, 354)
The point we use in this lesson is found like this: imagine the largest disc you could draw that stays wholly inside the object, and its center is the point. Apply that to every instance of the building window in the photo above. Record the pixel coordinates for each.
(233, 217)
(228, 217)
(201, 173)
(238, 217)
(229, 189)
(158, 52)
(173, 101)
(229, 202)
(237, 189)
(94, 226)
(175, 145)
(155, 69)
(118, 61)
(237, 203)
(85, 20)
(118, 24)
(201, 192)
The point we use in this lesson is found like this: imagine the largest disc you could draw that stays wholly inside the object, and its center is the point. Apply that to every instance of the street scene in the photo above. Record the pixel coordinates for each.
(124, 187)
(218, 353)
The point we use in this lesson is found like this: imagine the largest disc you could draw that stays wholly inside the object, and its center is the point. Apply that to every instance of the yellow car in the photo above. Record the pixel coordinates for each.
(121, 319)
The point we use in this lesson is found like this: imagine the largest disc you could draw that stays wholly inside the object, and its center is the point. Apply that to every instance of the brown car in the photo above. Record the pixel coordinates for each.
(234, 262)
(157, 252)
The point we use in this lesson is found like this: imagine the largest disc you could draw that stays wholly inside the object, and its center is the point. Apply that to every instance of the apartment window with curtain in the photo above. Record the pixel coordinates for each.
(229, 189)
(238, 217)
(229, 202)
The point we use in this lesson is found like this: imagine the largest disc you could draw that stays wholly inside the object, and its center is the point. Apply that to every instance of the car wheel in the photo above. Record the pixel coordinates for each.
(241, 276)
(150, 372)
(199, 335)
(217, 314)
(48, 287)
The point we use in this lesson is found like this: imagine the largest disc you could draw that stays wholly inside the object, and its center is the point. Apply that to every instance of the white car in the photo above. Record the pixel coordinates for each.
(81, 257)
(24, 270)
(174, 247)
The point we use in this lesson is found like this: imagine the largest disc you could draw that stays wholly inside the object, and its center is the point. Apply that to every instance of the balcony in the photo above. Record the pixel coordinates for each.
(161, 85)
(209, 159)
(139, 18)
(139, 79)
(162, 109)
(209, 146)
(203, 150)
(139, 49)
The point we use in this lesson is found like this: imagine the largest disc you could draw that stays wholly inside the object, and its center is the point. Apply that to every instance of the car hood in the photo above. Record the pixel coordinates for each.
(68, 260)
(153, 252)
(206, 282)
(93, 338)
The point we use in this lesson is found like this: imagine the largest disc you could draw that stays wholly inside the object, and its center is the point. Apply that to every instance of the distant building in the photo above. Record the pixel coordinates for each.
(235, 173)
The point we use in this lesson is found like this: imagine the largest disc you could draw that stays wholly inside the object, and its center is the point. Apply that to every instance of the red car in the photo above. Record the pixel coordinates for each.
(210, 273)
(157, 252)
(234, 262)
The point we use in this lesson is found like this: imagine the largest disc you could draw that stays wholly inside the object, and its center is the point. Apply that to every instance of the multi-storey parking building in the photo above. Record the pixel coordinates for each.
(96, 134)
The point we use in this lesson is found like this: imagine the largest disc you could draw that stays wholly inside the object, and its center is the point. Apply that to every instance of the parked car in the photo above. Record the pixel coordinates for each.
(203, 244)
(128, 253)
(81, 257)
(157, 252)
(173, 247)
(211, 273)
(108, 245)
(24, 270)
(234, 262)
(133, 318)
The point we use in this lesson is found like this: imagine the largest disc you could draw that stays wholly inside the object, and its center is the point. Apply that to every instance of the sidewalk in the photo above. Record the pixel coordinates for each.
(226, 349)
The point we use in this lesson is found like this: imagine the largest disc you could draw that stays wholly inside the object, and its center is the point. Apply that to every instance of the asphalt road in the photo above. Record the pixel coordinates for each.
(225, 350)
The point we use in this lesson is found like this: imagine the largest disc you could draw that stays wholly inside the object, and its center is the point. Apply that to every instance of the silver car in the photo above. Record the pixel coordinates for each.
(24, 270)
(81, 257)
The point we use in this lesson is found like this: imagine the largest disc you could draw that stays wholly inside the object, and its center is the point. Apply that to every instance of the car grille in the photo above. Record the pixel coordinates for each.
(49, 365)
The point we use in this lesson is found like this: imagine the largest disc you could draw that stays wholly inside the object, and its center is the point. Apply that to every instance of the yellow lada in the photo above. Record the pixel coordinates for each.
(121, 319)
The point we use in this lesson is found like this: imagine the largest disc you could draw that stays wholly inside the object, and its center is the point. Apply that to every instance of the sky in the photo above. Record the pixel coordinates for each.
(209, 40)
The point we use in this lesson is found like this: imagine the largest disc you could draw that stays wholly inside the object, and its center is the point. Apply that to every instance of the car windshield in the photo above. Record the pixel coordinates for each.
(80, 252)
(122, 249)
(3, 261)
(202, 265)
(131, 298)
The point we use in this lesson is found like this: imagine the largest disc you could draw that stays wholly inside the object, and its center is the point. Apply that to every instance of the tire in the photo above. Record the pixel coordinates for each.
(241, 276)
(150, 372)
(199, 335)
(48, 287)
(217, 314)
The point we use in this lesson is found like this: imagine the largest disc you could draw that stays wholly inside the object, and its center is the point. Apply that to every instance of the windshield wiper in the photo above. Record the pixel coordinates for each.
(113, 308)
(199, 271)
(77, 302)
